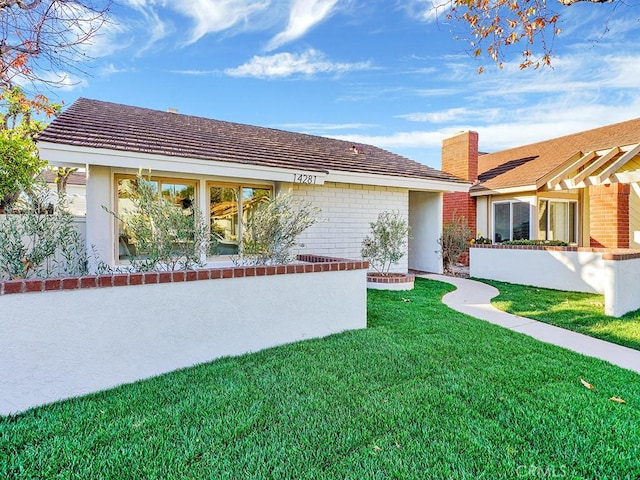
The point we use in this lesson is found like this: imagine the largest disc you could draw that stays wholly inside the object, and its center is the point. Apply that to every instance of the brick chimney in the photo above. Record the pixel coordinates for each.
(460, 158)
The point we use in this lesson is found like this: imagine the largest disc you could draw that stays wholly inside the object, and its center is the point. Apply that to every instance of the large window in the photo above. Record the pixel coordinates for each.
(510, 221)
(230, 207)
(557, 220)
(180, 192)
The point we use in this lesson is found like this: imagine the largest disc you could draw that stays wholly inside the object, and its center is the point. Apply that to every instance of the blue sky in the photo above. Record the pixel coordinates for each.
(383, 72)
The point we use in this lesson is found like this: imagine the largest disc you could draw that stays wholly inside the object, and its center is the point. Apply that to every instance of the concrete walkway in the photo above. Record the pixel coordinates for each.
(474, 298)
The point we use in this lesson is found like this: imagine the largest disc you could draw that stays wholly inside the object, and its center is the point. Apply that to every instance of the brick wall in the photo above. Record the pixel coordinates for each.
(348, 210)
(609, 215)
(460, 158)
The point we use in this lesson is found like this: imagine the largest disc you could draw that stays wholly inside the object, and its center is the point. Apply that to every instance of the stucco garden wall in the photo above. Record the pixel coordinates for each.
(615, 274)
(348, 210)
(74, 336)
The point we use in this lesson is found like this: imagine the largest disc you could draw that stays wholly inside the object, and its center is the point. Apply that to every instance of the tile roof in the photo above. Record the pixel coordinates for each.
(98, 124)
(523, 166)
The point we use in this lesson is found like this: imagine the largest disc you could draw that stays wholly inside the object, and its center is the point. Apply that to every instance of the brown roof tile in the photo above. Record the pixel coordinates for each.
(98, 124)
(523, 166)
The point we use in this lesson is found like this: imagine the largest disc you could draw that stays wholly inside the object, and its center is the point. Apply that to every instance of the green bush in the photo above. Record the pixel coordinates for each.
(270, 232)
(40, 239)
(387, 243)
(454, 241)
(544, 243)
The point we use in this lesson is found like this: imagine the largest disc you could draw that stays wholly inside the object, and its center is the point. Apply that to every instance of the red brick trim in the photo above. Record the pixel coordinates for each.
(607, 253)
(314, 264)
(391, 278)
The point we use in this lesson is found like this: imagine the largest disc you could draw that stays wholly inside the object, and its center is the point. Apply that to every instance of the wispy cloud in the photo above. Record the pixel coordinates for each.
(282, 65)
(426, 10)
(303, 16)
(212, 16)
(318, 128)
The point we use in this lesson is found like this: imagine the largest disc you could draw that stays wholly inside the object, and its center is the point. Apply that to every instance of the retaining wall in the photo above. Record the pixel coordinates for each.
(66, 337)
(614, 273)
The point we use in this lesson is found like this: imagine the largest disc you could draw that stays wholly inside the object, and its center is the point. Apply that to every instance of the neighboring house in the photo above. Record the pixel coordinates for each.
(76, 190)
(228, 168)
(582, 189)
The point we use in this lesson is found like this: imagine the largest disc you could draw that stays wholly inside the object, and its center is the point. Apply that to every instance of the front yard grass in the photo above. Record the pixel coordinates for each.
(424, 392)
(579, 312)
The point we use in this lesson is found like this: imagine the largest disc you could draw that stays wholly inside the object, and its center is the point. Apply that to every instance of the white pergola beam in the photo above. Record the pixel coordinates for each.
(611, 169)
(606, 157)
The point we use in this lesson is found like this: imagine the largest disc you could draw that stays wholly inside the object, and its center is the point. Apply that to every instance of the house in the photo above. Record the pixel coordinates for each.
(227, 168)
(75, 190)
(582, 189)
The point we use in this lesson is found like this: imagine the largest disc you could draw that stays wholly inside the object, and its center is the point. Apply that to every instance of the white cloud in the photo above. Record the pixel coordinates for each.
(303, 16)
(218, 15)
(449, 115)
(426, 10)
(397, 140)
(324, 127)
(281, 65)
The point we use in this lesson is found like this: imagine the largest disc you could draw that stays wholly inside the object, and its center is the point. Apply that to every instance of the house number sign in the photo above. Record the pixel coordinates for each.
(305, 178)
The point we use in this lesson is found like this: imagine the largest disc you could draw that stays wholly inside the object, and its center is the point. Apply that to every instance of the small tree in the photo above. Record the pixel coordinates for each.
(40, 239)
(19, 161)
(387, 243)
(454, 241)
(168, 236)
(271, 231)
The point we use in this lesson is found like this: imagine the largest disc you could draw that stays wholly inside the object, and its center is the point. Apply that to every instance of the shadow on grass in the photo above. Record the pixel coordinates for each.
(579, 312)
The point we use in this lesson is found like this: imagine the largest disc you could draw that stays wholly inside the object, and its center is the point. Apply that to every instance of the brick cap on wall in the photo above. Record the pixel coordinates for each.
(312, 264)
(608, 253)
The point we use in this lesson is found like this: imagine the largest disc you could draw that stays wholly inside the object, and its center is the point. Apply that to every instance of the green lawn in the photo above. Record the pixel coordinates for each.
(580, 312)
(424, 392)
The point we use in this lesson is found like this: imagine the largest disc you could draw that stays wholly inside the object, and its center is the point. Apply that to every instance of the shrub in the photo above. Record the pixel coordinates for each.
(270, 232)
(168, 237)
(40, 239)
(387, 243)
(545, 243)
(454, 241)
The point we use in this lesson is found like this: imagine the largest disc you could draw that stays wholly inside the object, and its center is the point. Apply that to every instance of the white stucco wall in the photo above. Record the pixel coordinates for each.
(59, 344)
(348, 210)
(100, 225)
(425, 218)
(561, 270)
(621, 290)
(581, 271)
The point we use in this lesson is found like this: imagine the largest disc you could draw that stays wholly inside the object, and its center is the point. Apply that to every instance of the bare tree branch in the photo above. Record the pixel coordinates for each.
(39, 37)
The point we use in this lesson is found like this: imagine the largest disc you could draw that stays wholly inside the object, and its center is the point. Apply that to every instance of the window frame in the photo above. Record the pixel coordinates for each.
(576, 220)
(239, 186)
(154, 178)
(493, 218)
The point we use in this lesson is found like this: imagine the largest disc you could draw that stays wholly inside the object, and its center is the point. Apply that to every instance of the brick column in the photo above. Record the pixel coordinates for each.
(460, 158)
(609, 215)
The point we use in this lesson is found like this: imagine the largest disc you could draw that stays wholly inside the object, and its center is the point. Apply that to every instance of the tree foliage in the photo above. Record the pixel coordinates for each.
(271, 231)
(387, 243)
(41, 39)
(19, 161)
(497, 25)
(40, 239)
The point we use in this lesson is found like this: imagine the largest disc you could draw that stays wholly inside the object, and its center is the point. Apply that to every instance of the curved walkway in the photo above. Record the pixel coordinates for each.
(474, 298)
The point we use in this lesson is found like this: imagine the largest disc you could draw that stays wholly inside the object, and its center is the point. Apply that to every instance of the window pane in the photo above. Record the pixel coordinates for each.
(542, 220)
(182, 194)
(520, 221)
(125, 206)
(223, 208)
(558, 221)
(502, 221)
(251, 198)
